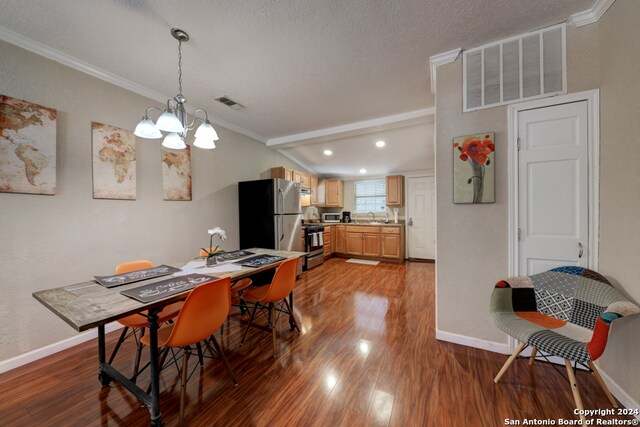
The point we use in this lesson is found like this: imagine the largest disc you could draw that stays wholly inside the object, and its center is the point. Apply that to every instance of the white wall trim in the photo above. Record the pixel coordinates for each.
(618, 392)
(48, 350)
(496, 347)
(441, 59)
(592, 15)
(346, 130)
(38, 48)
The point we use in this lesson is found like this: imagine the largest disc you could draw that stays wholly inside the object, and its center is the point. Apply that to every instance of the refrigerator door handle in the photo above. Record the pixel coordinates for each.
(281, 216)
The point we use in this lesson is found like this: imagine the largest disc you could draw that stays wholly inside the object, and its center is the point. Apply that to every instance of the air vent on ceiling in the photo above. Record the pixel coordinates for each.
(528, 66)
(229, 102)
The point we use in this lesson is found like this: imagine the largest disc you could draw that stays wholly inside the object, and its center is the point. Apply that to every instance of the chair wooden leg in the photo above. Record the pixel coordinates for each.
(295, 322)
(574, 389)
(532, 358)
(273, 328)
(183, 385)
(509, 361)
(224, 359)
(200, 355)
(253, 315)
(118, 344)
(613, 401)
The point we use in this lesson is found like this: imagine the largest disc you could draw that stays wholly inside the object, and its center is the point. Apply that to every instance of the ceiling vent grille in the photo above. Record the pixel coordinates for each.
(229, 102)
(528, 66)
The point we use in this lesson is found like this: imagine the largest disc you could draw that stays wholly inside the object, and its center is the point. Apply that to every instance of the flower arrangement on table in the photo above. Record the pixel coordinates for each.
(211, 251)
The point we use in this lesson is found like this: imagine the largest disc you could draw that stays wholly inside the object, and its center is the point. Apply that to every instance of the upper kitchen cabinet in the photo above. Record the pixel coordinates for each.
(282, 173)
(395, 190)
(313, 180)
(331, 193)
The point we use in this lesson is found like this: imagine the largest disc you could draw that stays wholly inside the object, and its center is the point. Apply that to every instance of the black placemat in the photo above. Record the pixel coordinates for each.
(228, 256)
(135, 276)
(260, 260)
(164, 288)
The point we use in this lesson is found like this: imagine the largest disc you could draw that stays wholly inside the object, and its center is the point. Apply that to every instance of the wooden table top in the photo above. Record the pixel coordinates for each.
(88, 304)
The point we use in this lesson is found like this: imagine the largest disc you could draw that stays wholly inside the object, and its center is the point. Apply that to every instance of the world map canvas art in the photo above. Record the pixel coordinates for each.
(114, 162)
(176, 174)
(27, 147)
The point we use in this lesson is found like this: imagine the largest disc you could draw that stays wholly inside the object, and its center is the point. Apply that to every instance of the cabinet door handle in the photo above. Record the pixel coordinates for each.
(410, 222)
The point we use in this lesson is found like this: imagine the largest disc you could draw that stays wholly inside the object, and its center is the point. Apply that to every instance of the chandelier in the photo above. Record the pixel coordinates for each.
(173, 120)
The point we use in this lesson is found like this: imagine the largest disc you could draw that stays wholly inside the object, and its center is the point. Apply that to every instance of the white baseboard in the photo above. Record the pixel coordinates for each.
(39, 353)
(496, 347)
(619, 393)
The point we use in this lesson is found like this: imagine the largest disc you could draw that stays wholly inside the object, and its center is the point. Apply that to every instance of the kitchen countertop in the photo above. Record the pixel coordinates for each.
(355, 223)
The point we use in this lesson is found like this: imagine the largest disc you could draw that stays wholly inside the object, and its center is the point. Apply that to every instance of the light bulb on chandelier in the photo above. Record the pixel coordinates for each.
(174, 120)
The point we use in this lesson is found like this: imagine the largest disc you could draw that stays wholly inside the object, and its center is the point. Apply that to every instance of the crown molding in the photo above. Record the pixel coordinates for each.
(38, 48)
(441, 59)
(350, 129)
(592, 15)
(288, 155)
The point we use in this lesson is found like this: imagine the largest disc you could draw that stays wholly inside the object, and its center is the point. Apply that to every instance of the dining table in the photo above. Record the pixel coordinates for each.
(88, 305)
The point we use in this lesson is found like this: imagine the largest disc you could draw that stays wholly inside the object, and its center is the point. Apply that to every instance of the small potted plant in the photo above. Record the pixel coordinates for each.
(211, 251)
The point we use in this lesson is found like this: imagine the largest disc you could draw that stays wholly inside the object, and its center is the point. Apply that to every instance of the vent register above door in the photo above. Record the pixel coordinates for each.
(528, 66)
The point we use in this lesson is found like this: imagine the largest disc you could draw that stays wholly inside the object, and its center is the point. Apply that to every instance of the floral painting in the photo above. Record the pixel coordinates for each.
(176, 174)
(27, 147)
(473, 168)
(114, 162)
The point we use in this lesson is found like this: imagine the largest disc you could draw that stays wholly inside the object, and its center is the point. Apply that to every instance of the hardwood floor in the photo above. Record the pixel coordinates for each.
(367, 355)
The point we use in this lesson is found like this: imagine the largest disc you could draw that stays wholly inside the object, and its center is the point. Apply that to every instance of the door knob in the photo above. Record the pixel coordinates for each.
(410, 222)
(580, 250)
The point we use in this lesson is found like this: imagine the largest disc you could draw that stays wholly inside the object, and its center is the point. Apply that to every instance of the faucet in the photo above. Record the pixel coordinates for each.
(373, 216)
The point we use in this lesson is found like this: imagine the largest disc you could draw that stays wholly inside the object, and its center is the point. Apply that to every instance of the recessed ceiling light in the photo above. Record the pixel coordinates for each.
(328, 152)
(363, 171)
(380, 144)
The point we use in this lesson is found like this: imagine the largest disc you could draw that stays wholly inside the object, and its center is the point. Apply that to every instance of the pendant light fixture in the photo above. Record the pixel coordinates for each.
(173, 120)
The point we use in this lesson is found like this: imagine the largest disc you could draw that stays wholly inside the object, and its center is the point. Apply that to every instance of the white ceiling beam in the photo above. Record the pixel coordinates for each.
(356, 128)
(441, 59)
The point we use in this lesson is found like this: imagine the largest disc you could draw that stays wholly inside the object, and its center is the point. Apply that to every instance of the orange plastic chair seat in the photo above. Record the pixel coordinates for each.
(163, 336)
(258, 294)
(141, 321)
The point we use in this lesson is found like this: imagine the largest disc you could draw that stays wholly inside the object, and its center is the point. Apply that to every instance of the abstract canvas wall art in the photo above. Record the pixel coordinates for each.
(27, 147)
(176, 174)
(473, 168)
(114, 162)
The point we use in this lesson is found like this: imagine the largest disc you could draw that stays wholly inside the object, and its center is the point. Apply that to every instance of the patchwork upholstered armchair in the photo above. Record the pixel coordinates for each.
(565, 312)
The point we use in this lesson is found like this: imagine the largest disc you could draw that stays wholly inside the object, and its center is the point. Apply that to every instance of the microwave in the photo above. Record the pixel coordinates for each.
(331, 217)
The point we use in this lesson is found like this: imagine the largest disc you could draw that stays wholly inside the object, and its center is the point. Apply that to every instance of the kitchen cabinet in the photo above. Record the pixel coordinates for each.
(327, 241)
(303, 178)
(331, 193)
(313, 183)
(391, 242)
(334, 232)
(365, 241)
(341, 239)
(395, 190)
(282, 173)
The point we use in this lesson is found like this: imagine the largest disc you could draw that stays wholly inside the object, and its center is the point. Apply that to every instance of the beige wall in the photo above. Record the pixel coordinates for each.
(49, 241)
(472, 240)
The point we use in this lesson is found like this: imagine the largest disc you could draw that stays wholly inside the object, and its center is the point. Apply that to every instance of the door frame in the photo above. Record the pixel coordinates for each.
(427, 173)
(593, 159)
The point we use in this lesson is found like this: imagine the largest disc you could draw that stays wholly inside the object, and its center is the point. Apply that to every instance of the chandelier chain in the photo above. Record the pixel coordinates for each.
(180, 67)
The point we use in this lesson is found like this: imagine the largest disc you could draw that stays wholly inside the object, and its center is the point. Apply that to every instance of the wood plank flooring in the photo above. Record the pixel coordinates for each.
(367, 355)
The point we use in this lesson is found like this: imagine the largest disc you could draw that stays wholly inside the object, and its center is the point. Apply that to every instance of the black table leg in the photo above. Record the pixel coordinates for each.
(103, 376)
(292, 322)
(154, 408)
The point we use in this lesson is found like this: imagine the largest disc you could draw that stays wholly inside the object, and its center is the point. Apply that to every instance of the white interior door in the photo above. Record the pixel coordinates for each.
(420, 217)
(553, 187)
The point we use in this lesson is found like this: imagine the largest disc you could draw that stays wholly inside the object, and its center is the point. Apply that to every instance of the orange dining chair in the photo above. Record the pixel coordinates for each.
(237, 300)
(204, 311)
(138, 322)
(274, 293)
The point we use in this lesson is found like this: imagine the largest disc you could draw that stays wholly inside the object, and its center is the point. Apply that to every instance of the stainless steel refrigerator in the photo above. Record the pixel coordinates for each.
(270, 214)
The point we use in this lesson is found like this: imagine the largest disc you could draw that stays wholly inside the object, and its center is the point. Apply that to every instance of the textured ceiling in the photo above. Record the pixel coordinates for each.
(297, 65)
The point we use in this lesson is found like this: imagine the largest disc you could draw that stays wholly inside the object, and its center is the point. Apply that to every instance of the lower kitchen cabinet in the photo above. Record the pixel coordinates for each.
(341, 239)
(391, 246)
(371, 244)
(384, 242)
(327, 241)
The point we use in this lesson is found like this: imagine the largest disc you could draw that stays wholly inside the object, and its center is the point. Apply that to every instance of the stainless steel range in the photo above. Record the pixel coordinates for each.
(314, 244)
